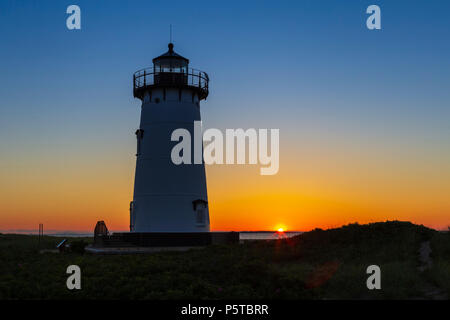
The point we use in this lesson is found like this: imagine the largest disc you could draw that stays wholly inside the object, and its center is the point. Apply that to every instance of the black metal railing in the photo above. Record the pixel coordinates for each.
(171, 77)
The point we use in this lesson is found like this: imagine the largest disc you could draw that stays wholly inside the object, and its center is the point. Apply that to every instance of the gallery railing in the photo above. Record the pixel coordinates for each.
(171, 77)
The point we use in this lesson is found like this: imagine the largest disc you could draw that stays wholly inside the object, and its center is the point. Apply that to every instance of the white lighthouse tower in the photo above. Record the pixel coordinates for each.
(168, 197)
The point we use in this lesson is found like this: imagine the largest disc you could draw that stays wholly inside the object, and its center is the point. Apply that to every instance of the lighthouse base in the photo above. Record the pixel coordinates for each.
(165, 239)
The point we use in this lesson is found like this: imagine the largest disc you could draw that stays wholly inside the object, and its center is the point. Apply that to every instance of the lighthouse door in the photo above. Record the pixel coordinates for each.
(201, 215)
(201, 212)
(132, 216)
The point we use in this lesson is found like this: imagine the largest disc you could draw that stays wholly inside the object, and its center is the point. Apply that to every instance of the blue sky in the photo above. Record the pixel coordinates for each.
(315, 55)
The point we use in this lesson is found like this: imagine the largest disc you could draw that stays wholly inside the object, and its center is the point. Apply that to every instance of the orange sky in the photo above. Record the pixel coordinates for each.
(315, 187)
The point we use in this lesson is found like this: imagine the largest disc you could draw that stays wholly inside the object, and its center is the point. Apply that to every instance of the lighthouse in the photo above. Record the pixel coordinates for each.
(168, 197)
(170, 200)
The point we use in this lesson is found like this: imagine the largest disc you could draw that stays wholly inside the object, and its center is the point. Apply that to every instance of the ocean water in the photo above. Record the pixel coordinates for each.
(243, 235)
(267, 235)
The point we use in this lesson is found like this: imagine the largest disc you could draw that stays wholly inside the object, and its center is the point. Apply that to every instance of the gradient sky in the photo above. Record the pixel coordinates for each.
(364, 116)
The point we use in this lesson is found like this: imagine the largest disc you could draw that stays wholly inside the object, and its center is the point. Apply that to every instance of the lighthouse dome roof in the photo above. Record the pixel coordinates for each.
(171, 55)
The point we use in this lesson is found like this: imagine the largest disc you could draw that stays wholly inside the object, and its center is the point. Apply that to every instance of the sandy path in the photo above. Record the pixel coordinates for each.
(431, 291)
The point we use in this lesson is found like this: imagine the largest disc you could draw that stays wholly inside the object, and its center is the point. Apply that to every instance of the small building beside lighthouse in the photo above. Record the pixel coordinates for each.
(168, 197)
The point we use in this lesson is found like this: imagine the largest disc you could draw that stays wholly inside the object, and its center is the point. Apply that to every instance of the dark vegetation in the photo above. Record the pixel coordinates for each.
(78, 246)
(319, 264)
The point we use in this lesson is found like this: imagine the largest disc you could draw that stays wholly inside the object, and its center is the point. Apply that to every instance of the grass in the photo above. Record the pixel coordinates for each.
(321, 264)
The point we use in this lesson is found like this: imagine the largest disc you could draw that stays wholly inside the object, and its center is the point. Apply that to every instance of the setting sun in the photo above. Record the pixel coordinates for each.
(280, 230)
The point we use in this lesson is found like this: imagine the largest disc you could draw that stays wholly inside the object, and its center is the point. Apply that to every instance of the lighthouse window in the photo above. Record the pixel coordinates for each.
(139, 136)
